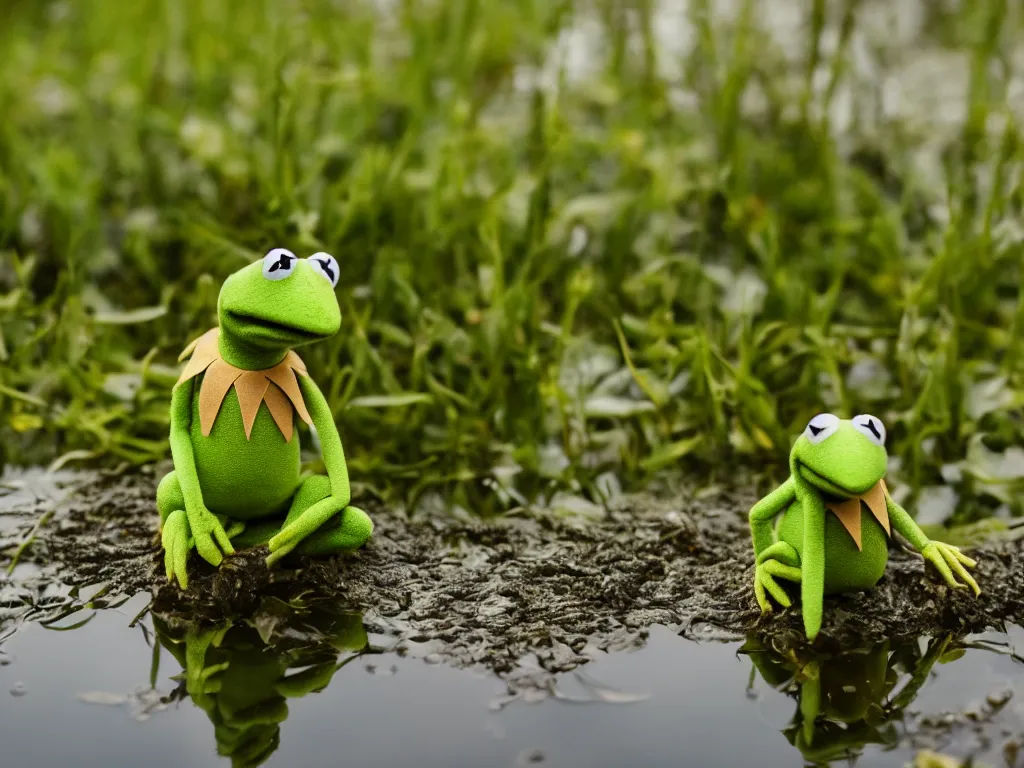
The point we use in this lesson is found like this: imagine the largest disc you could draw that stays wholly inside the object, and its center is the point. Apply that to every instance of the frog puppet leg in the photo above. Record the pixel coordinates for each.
(322, 499)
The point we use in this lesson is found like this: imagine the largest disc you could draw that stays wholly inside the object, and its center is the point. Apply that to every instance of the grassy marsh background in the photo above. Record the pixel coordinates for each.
(582, 243)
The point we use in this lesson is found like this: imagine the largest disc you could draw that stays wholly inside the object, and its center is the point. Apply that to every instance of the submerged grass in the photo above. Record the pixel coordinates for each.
(580, 243)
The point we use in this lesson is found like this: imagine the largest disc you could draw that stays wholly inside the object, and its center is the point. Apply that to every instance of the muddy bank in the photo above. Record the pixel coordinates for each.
(525, 588)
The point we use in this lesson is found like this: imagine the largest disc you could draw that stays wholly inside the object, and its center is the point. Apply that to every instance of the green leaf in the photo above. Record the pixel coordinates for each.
(390, 401)
(129, 316)
(988, 395)
(22, 396)
(951, 656)
(608, 406)
(665, 455)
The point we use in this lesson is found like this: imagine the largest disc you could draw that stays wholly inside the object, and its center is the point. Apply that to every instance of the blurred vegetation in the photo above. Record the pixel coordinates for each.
(582, 243)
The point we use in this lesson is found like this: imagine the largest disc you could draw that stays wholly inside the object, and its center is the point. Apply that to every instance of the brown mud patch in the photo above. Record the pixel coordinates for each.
(528, 587)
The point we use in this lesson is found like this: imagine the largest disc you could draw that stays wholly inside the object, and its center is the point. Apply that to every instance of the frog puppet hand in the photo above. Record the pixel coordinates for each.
(948, 560)
(189, 525)
(834, 518)
(178, 541)
(779, 560)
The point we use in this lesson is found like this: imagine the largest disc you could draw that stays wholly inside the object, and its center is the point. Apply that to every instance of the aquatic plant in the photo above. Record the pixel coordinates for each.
(581, 243)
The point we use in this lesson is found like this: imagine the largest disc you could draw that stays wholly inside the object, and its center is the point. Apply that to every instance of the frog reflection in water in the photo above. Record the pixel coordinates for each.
(243, 684)
(845, 701)
(836, 465)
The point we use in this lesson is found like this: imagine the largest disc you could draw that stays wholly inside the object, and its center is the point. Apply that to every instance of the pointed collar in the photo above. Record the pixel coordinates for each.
(276, 386)
(848, 510)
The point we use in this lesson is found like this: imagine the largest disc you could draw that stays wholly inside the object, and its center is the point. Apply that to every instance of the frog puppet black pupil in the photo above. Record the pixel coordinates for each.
(284, 262)
(326, 267)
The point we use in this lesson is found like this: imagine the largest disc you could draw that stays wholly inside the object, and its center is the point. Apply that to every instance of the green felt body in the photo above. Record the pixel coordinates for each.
(258, 479)
(244, 479)
(846, 568)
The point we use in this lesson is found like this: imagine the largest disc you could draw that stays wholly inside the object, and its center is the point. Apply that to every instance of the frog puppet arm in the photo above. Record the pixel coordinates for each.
(780, 559)
(948, 560)
(194, 526)
(310, 520)
(772, 558)
(824, 538)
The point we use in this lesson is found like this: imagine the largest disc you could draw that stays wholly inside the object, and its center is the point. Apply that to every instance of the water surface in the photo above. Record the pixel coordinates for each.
(111, 694)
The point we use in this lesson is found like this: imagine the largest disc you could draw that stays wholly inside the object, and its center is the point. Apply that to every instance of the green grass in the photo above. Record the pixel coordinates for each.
(635, 272)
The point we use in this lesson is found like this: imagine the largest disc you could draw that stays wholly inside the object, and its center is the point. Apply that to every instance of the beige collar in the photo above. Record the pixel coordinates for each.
(848, 510)
(277, 386)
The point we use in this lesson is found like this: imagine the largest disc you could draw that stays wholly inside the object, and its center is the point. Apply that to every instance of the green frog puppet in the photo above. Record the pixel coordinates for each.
(836, 520)
(236, 479)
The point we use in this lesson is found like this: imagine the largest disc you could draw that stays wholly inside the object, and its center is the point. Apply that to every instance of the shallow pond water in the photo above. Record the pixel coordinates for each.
(110, 693)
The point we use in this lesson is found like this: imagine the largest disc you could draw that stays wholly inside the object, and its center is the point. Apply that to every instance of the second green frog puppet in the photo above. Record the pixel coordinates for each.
(825, 540)
(236, 479)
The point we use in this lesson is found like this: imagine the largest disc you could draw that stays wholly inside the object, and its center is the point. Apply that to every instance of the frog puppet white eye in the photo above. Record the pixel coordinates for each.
(871, 427)
(821, 427)
(325, 264)
(279, 264)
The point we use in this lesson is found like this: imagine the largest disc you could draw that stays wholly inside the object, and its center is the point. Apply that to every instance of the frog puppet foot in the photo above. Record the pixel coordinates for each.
(319, 523)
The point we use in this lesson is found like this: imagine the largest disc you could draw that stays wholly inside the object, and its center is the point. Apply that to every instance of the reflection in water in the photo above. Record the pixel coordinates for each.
(846, 705)
(242, 674)
(847, 700)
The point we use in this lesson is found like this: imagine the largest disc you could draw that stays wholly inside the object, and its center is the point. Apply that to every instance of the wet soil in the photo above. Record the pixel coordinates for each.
(531, 591)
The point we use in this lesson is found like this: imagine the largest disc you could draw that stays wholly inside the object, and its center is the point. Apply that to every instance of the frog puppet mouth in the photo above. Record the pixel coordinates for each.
(243, 320)
(846, 504)
(827, 486)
